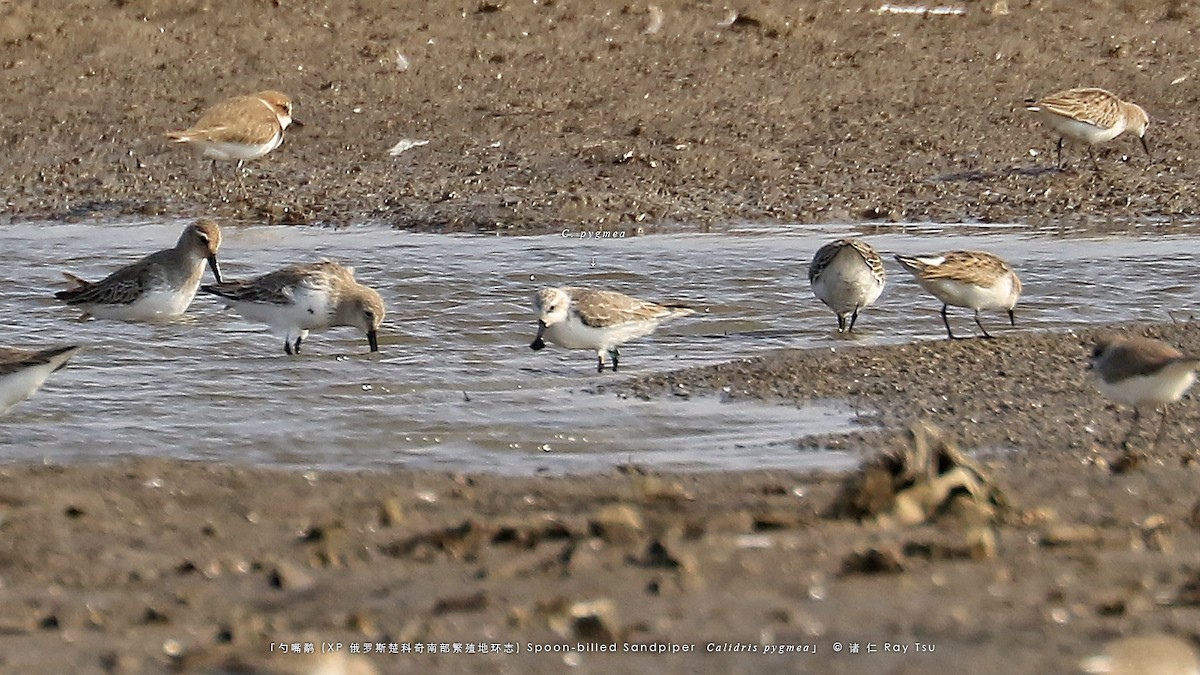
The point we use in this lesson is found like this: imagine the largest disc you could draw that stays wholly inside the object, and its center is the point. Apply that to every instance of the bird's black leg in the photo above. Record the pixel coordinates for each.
(853, 319)
(981, 328)
(1137, 417)
(299, 338)
(946, 321)
(599, 363)
(1092, 156)
(287, 346)
(841, 323)
(616, 355)
(1060, 144)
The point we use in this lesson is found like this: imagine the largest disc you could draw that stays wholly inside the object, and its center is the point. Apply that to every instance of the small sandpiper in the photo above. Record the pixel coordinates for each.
(1142, 372)
(583, 318)
(300, 298)
(973, 279)
(1091, 116)
(847, 275)
(159, 286)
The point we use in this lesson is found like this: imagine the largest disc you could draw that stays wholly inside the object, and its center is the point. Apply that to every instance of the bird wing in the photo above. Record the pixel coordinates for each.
(601, 309)
(1093, 106)
(122, 287)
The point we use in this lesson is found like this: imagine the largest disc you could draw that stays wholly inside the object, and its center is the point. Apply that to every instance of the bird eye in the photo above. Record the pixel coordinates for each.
(1097, 351)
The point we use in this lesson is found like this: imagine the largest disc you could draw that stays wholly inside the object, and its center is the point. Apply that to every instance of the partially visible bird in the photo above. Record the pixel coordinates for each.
(22, 371)
(1142, 372)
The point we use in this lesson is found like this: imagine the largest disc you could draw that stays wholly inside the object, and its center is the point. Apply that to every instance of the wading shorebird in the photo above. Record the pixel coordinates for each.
(159, 286)
(583, 318)
(973, 279)
(299, 298)
(847, 275)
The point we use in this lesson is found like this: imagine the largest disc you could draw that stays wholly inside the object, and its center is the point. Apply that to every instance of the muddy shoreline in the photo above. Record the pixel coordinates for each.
(147, 565)
(543, 115)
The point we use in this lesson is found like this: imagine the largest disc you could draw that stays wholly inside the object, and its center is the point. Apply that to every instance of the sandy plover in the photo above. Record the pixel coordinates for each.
(240, 128)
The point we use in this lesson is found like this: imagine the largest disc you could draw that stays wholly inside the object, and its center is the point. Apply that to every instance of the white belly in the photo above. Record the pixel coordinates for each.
(996, 296)
(309, 310)
(573, 334)
(18, 386)
(844, 287)
(155, 304)
(1165, 387)
(239, 151)
(1081, 131)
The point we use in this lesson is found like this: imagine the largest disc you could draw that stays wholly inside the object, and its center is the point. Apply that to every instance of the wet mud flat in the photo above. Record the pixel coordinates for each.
(544, 115)
(151, 565)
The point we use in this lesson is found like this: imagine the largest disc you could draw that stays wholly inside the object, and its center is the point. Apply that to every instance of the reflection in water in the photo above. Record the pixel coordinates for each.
(455, 385)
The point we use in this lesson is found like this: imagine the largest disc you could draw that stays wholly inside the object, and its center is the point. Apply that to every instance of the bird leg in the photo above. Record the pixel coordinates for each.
(290, 347)
(981, 328)
(1060, 144)
(841, 323)
(853, 319)
(946, 321)
(241, 182)
(615, 354)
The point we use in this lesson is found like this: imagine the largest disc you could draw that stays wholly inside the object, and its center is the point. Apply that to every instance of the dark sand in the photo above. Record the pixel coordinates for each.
(554, 113)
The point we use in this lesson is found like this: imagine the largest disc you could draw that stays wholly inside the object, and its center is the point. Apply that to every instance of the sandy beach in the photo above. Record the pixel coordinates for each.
(547, 114)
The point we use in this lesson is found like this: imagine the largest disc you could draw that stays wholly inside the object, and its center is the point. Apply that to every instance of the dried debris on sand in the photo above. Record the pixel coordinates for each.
(922, 480)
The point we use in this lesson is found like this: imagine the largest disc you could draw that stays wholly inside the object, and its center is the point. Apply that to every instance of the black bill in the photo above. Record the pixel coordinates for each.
(216, 269)
(538, 343)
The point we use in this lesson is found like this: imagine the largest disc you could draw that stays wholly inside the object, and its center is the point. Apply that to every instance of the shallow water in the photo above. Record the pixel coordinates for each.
(456, 386)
